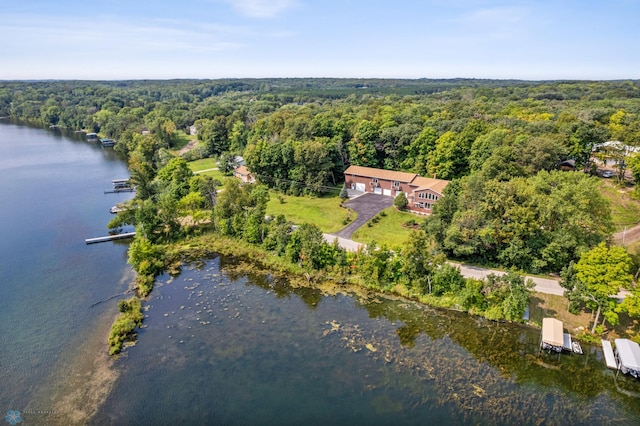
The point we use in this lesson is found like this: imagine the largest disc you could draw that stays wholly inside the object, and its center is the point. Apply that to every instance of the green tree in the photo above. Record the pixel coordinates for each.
(362, 148)
(507, 295)
(418, 150)
(599, 275)
(401, 201)
(447, 278)
(419, 261)
(51, 115)
(175, 178)
(207, 187)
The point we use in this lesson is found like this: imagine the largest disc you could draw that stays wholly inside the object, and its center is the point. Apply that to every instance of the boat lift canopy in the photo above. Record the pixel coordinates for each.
(628, 355)
(552, 333)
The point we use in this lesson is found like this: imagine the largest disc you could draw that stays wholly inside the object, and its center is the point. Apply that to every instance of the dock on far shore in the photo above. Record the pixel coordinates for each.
(120, 185)
(110, 238)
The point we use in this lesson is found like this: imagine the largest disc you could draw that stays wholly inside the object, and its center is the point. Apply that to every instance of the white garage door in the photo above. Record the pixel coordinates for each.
(361, 187)
(377, 190)
(386, 192)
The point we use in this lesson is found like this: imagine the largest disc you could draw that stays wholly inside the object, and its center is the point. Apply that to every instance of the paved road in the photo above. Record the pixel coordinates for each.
(543, 285)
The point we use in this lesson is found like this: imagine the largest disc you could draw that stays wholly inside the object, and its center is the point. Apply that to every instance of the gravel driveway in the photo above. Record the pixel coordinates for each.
(367, 206)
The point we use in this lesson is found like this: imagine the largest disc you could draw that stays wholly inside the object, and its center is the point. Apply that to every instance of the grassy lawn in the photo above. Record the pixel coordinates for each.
(204, 164)
(625, 211)
(216, 174)
(388, 230)
(549, 305)
(325, 212)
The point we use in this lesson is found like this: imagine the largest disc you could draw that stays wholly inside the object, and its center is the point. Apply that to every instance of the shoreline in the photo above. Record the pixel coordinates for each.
(76, 396)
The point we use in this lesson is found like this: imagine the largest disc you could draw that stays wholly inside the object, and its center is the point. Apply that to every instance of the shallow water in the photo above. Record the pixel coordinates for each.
(223, 348)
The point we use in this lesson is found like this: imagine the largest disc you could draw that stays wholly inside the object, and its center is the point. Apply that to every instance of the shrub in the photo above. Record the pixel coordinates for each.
(401, 201)
(343, 193)
(123, 327)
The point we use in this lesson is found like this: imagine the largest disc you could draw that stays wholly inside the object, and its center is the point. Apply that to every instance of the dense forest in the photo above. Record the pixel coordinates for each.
(499, 142)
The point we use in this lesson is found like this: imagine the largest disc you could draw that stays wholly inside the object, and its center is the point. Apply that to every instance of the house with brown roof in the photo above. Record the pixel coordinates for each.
(421, 192)
(242, 173)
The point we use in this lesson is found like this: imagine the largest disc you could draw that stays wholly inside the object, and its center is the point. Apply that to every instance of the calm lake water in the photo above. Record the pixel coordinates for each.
(223, 347)
(52, 199)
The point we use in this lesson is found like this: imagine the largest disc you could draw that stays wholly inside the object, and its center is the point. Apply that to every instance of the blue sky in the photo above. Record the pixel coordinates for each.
(132, 39)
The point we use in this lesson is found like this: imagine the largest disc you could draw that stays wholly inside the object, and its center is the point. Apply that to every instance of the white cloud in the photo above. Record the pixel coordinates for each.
(111, 33)
(261, 8)
(497, 16)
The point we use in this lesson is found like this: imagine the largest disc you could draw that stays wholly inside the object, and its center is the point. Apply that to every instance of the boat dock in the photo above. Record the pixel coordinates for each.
(552, 335)
(115, 190)
(107, 142)
(609, 357)
(120, 185)
(110, 238)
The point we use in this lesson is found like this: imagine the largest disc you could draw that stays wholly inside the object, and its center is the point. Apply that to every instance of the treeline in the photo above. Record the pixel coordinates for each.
(500, 142)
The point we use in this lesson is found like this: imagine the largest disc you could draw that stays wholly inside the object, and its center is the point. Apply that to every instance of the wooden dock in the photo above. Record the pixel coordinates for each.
(116, 190)
(609, 357)
(110, 238)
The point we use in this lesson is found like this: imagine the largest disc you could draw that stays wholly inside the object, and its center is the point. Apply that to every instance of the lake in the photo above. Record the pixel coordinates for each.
(221, 345)
(52, 199)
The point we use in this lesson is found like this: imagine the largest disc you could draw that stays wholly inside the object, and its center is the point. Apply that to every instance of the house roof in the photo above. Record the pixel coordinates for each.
(242, 170)
(380, 174)
(436, 185)
(552, 333)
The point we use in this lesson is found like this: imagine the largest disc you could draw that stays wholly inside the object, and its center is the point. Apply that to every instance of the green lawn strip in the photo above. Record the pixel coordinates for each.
(625, 211)
(325, 212)
(204, 164)
(216, 174)
(388, 230)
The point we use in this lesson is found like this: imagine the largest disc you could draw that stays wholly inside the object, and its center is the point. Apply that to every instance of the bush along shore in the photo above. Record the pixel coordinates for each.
(123, 328)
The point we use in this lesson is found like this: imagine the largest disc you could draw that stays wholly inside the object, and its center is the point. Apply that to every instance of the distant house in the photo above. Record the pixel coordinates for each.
(193, 130)
(421, 192)
(568, 165)
(242, 173)
(612, 153)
